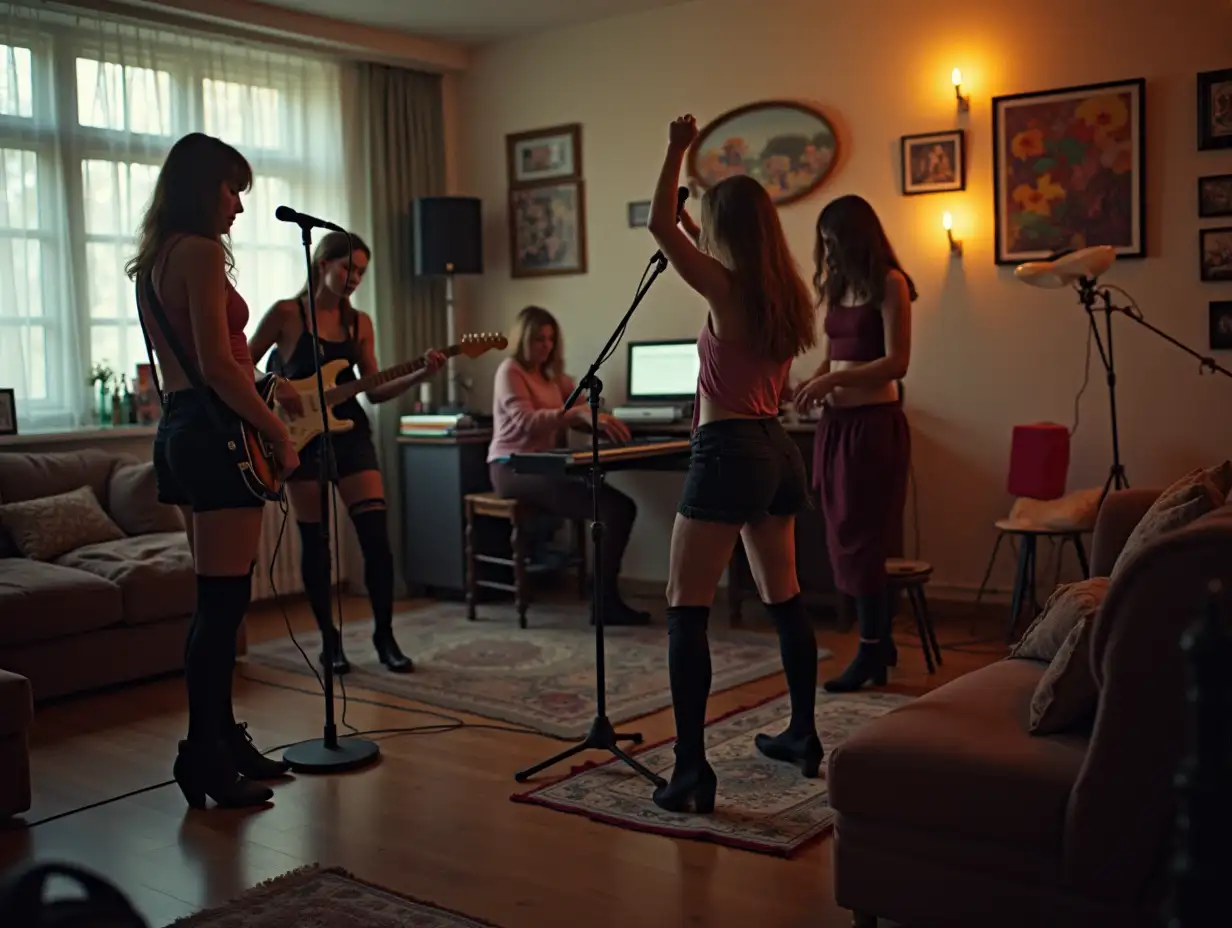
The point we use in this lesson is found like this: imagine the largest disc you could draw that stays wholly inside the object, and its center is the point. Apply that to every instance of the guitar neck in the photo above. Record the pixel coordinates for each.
(343, 392)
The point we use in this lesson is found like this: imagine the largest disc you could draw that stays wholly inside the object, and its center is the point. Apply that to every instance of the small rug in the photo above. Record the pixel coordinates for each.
(326, 898)
(542, 677)
(762, 805)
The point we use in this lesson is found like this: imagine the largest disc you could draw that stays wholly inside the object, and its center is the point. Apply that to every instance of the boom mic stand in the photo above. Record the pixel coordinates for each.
(602, 735)
(326, 754)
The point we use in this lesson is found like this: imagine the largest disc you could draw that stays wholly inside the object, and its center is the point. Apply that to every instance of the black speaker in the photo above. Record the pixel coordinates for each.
(448, 235)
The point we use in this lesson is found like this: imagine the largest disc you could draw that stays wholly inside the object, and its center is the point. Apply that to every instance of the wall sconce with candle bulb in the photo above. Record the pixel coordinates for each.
(947, 223)
(964, 103)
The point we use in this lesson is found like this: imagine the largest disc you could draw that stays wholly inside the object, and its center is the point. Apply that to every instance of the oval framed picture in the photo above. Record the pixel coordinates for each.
(788, 147)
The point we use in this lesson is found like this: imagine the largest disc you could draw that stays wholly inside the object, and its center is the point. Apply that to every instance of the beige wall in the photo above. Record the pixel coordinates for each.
(989, 352)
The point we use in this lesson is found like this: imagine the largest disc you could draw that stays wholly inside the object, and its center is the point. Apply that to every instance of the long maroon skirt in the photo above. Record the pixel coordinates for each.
(861, 456)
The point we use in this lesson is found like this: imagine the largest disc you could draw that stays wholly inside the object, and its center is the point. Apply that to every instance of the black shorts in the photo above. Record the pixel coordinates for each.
(743, 469)
(191, 465)
(354, 452)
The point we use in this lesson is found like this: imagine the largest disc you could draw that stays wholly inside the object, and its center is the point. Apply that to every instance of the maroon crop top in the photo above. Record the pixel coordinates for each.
(736, 379)
(856, 333)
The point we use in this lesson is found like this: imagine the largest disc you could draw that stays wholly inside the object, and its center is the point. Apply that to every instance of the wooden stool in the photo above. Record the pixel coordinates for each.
(910, 577)
(517, 514)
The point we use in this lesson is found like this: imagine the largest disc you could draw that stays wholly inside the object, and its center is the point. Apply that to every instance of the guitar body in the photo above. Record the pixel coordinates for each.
(253, 454)
(305, 428)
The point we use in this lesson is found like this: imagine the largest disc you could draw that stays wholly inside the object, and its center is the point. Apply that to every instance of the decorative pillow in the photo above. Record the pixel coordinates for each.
(1069, 604)
(1194, 495)
(133, 498)
(45, 528)
(1067, 695)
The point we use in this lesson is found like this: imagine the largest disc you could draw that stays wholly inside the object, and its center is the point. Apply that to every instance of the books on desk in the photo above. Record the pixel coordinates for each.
(435, 425)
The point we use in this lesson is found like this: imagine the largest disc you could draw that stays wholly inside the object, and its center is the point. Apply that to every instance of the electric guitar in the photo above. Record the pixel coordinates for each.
(258, 463)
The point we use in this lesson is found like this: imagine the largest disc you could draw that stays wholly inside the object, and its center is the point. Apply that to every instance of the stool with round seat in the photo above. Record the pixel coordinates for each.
(910, 577)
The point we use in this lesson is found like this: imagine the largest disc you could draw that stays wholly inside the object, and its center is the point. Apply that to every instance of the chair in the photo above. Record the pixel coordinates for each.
(519, 515)
(910, 577)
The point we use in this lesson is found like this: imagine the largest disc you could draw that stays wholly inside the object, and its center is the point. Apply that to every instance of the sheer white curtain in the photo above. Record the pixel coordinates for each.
(89, 108)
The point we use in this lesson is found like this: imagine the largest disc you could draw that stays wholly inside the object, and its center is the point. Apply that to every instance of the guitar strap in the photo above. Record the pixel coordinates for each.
(145, 283)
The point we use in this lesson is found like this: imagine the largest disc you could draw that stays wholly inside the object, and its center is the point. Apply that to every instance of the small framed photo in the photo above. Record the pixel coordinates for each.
(547, 229)
(1215, 246)
(934, 162)
(1221, 325)
(8, 411)
(1215, 196)
(639, 214)
(542, 155)
(1215, 109)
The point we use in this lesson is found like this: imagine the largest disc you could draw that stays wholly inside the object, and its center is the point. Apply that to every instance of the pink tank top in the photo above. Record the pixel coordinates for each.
(735, 378)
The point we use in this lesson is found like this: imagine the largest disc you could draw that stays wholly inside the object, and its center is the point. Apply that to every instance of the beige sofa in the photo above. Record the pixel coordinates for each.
(950, 813)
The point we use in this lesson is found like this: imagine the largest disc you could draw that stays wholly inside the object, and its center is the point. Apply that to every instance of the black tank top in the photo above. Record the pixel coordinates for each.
(301, 365)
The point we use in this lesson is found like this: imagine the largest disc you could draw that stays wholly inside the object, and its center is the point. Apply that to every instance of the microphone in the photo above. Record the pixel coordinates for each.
(681, 195)
(303, 220)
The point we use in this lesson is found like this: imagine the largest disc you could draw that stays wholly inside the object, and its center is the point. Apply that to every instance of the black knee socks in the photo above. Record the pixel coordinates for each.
(209, 654)
(688, 665)
(315, 570)
(372, 530)
(798, 648)
(872, 611)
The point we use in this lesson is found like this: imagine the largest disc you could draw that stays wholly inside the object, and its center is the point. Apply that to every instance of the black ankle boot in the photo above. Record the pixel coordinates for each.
(889, 651)
(389, 653)
(869, 664)
(692, 787)
(341, 664)
(803, 750)
(206, 769)
(250, 762)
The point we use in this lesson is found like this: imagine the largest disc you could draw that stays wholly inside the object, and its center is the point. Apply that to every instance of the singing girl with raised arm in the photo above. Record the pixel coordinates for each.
(746, 477)
(183, 265)
(862, 448)
(339, 264)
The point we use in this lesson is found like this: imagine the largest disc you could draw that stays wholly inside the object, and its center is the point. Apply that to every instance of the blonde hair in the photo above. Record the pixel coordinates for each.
(530, 320)
(741, 229)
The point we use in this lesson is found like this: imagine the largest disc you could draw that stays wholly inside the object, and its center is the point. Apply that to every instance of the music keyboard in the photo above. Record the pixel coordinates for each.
(639, 453)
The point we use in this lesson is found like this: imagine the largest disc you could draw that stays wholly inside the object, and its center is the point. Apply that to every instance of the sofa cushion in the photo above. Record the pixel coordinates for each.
(1068, 605)
(959, 761)
(1067, 695)
(40, 601)
(134, 501)
(154, 573)
(29, 475)
(47, 527)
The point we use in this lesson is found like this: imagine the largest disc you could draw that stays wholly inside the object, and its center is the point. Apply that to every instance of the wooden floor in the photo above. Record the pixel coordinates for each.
(433, 819)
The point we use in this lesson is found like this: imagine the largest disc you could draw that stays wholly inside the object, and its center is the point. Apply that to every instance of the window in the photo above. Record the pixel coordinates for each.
(87, 115)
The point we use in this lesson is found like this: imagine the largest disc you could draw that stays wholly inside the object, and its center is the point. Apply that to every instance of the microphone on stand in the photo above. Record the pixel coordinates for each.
(304, 221)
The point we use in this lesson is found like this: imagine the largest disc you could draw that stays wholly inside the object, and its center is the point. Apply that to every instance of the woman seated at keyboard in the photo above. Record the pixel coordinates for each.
(528, 407)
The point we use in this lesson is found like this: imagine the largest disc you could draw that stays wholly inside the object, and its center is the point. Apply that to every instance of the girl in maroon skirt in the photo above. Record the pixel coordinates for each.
(862, 448)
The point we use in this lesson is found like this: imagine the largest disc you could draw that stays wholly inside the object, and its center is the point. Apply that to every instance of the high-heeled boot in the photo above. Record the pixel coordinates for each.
(341, 664)
(388, 652)
(205, 769)
(693, 783)
(799, 743)
(869, 664)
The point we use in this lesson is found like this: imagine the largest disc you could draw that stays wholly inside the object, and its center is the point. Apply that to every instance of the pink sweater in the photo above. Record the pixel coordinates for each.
(528, 411)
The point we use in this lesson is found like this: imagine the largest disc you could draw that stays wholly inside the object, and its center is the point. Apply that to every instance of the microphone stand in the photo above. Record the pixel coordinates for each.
(326, 754)
(1088, 294)
(602, 735)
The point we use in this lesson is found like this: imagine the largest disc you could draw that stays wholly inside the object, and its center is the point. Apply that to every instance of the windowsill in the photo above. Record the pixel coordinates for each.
(88, 433)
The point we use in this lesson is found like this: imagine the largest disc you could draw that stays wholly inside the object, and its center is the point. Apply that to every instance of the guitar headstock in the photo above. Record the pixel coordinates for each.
(481, 343)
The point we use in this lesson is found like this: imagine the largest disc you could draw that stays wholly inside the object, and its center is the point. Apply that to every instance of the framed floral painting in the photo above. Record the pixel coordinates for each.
(1069, 171)
(547, 229)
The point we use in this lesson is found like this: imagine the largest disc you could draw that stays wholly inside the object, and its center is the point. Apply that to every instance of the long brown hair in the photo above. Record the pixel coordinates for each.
(858, 257)
(741, 228)
(186, 197)
(530, 320)
(334, 246)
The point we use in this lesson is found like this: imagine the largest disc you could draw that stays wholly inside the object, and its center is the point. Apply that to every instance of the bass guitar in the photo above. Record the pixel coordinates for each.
(257, 460)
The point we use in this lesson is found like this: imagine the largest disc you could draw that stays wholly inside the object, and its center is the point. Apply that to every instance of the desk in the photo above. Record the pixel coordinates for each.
(438, 471)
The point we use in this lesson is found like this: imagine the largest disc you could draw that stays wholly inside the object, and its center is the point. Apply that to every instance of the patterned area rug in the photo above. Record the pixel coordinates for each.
(329, 898)
(762, 805)
(542, 677)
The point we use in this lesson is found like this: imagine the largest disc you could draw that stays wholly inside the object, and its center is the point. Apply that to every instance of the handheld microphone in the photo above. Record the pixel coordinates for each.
(681, 195)
(303, 220)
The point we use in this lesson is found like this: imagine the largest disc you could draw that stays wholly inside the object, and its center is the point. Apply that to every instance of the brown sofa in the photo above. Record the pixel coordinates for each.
(949, 813)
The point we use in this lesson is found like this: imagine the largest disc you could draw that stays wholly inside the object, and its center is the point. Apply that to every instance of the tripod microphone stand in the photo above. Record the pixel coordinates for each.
(602, 735)
(327, 754)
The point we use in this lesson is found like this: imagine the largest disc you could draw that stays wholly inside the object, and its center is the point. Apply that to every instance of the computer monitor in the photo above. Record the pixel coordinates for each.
(663, 371)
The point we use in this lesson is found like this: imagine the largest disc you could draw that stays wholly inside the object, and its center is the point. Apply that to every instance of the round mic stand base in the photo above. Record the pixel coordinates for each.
(319, 756)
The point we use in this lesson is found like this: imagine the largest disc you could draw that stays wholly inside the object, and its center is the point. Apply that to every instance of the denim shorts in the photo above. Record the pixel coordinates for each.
(353, 452)
(192, 467)
(743, 469)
